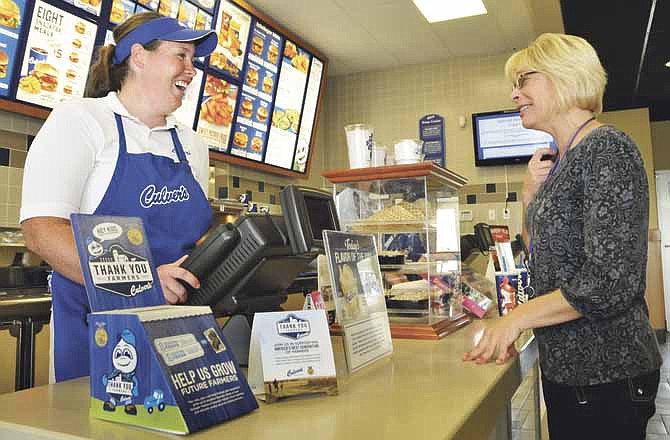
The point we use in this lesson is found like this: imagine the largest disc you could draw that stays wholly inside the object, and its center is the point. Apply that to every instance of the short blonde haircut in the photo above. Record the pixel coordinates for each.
(572, 65)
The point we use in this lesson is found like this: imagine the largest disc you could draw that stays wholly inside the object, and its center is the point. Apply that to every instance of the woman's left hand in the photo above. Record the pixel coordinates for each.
(497, 341)
(169, 276)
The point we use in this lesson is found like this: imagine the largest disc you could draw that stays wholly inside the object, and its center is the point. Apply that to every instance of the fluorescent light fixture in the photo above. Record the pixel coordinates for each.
(442, 10)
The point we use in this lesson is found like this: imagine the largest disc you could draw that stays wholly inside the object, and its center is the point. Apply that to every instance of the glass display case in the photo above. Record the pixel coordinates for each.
(412, 210)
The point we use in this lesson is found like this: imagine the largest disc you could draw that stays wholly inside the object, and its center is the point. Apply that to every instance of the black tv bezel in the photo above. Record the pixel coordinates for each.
(295, 214)
(512, 160)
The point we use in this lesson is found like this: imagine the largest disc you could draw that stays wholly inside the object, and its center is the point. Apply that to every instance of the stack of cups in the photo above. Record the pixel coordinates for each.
(359, 144)
(408, 151)
(377, 155)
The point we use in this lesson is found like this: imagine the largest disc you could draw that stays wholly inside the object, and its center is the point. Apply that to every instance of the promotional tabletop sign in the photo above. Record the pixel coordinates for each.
(116, 262)
(290, 354)
(166, 367)
(359, 297)
(153, 365)
(431, 132)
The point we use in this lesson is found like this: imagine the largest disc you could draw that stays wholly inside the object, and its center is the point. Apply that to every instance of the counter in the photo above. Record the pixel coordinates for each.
(424, 391)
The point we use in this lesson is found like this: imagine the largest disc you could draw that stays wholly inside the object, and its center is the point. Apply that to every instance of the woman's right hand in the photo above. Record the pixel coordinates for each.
(537, 173)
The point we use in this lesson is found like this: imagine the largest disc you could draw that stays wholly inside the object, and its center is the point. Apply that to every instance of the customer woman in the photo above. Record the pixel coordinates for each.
(101, 154)
(586, 216)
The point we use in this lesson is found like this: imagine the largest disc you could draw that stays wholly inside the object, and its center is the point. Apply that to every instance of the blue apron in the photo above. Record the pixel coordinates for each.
(172, 230)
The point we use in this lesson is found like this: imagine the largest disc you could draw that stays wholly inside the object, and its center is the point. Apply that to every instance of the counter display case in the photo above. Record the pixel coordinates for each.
(412, 210)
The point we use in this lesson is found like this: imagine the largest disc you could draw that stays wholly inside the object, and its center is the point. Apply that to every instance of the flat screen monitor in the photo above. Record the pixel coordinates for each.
(246, 267)
(309, 212)
(500, 139)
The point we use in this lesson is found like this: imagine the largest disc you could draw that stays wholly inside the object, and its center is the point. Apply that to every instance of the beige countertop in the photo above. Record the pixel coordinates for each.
(424, 391)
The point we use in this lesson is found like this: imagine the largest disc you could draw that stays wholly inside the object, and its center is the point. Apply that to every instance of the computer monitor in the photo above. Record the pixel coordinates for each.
(245, 267)
(308, 212)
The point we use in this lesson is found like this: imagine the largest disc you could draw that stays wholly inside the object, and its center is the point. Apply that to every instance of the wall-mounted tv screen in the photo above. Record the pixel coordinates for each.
(500, 139)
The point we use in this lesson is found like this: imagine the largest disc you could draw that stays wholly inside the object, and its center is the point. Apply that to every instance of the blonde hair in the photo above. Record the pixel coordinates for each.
(571, 64)
(104, 76)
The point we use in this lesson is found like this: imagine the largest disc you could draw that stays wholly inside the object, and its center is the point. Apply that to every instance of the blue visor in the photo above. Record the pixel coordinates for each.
(165, 29)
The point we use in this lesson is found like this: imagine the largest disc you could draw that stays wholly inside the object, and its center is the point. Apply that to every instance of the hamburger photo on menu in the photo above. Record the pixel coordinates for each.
(10, 15)
(44, 77)
(4, 61)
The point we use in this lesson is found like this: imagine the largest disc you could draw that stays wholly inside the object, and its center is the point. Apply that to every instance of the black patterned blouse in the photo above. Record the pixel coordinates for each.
(588, 224)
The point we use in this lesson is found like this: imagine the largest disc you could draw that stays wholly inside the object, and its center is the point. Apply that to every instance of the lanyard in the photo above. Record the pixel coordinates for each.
(551, 171)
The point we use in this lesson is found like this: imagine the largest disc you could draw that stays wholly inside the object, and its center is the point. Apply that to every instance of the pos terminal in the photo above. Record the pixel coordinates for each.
(246, 267)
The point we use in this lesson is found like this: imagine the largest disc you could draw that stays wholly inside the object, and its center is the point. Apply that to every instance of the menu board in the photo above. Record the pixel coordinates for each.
(232, 28)
(308, 116)
(91, 6)
(121, 9)
(288, 105)
(57, 56)
(189, 103)
(216, 113)
(255, 97)
(10, 27)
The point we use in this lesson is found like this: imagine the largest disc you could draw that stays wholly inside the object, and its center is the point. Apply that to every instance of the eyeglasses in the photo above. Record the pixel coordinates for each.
(521, 80)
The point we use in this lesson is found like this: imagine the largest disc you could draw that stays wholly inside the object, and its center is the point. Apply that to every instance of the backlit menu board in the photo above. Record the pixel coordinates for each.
(254, 100)
(288, 106)
(308, 116)
(10, 27)
(232, 28)
(216, 112)
(189, 103)
(57, 56)
(90, 6)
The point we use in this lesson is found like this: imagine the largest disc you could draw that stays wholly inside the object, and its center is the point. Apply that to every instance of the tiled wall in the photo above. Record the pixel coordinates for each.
(14, 132)
(392, 101)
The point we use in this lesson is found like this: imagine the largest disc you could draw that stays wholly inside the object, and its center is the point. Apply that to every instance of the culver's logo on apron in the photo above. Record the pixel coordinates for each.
(121, 272)
(151, 196)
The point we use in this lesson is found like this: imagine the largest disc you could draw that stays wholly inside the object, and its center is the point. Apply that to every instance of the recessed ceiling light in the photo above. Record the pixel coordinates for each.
(443, 10)
(667, 64)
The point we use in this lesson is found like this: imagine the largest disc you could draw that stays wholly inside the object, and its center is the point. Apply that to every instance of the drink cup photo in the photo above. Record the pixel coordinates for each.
(36, 56)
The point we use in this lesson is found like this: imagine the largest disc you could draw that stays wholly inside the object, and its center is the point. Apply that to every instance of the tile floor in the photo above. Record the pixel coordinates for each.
(523, 420)
(659, 425)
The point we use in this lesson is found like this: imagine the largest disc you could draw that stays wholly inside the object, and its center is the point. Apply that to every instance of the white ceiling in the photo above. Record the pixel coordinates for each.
(363, 35)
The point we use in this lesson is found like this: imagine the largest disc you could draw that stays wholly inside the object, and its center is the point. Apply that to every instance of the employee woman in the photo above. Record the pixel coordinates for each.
(587, 218)
(99, 155)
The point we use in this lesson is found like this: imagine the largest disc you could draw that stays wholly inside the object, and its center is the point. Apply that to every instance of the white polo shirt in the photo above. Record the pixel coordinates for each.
(72, 159)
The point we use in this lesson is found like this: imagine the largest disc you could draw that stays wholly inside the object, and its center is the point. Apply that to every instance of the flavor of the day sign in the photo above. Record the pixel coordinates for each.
(290, 354)
(116, 262)
(431, 132)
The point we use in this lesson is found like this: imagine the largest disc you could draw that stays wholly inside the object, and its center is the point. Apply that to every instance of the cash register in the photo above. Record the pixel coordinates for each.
(247, 266)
